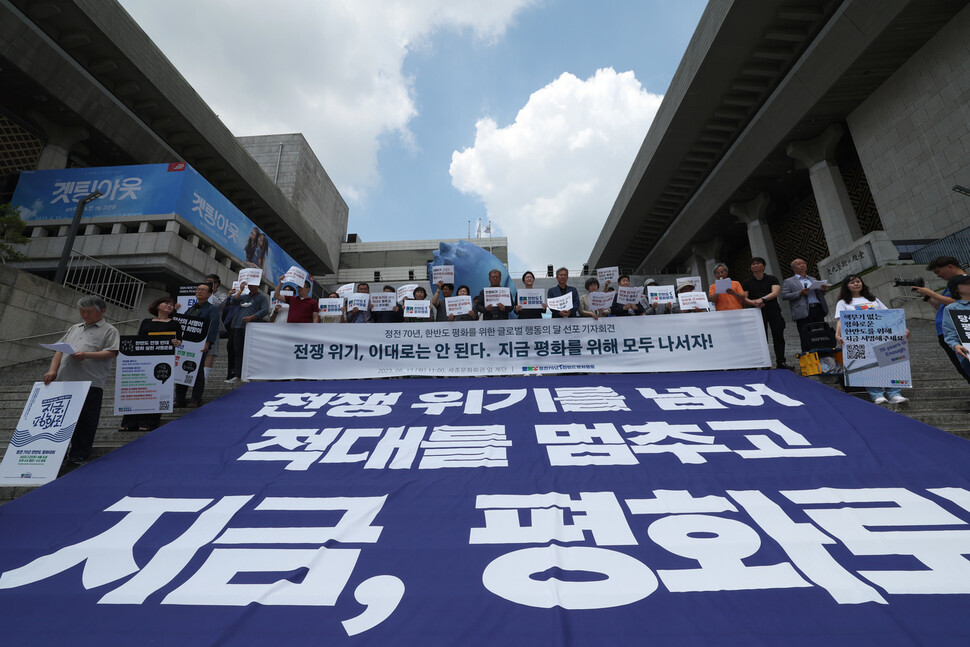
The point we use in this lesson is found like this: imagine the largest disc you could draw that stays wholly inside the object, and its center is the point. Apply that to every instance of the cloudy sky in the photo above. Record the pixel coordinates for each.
(430, 114)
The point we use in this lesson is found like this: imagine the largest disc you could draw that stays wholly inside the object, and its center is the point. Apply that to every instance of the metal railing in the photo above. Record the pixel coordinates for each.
(956, 244)
(87, 274)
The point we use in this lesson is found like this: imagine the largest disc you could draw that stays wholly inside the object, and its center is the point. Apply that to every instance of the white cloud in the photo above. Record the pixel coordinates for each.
(549, 179)
(331, 70)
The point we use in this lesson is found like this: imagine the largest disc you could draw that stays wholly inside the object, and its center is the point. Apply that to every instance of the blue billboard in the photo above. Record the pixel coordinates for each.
(151, 190)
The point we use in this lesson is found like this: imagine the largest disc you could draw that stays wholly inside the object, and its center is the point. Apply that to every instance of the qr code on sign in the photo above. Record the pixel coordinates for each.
(165, 405)
(854, 351)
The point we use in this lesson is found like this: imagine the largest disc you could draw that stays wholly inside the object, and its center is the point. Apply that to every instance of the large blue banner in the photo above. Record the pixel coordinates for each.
(151, 190)
(730, 508)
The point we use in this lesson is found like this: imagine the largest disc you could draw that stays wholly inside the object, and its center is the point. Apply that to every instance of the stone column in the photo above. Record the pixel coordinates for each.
(61, 140)
(839, 221)
(708, 251)
(752, 214)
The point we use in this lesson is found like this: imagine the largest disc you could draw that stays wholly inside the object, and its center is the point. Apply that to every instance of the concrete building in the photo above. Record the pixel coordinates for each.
(832, 130)
(81, 85)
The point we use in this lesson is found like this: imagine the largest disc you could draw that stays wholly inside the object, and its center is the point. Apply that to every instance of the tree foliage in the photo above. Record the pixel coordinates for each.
(11, 233)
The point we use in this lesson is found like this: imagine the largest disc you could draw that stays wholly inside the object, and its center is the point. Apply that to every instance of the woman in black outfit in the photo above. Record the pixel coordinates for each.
(529, 279)
(161, 327)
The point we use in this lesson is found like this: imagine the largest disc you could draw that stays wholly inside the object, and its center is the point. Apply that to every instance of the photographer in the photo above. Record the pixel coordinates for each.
(946, 268)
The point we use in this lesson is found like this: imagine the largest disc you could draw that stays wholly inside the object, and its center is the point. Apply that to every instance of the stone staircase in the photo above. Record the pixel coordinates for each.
(941, 398)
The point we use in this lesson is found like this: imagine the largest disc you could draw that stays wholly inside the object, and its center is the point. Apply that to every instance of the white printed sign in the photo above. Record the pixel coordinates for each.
(661, 294)
(565, 302)
(605, 274)
(383, 301)
(443, 274)
(250, 276)
(358, 300)
(692, 300)
(406, 290)
(38, 444)
(143, 376)
(530, 298)
(628, 295)
(295, 277)
(345, 290)
(716, 341)
(875, 352)
(331, 307)
(601, 300)
(497, 296)
(419, 308)
(457, 306)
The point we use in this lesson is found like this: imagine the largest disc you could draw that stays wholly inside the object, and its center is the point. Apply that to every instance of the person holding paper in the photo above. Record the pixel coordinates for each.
(762, 291)
(444, 291)
(96, 344)
(356, 315)
(419, 294)
(490, 312)
(562, 289)
(959, 287)
(159, 327)
(684, 288)
(731, 298)
(946, 268)
(625, 309)
(529, 280)
(854, 295)
(807, 302)
(655, 307)
(303, 308)
(464, 291)
(335, 318)
(585, 310)
(203, 310)
(253, 306)
(394, 315)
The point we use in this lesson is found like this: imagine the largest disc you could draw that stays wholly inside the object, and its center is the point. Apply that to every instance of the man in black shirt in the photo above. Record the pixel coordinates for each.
(762, 291)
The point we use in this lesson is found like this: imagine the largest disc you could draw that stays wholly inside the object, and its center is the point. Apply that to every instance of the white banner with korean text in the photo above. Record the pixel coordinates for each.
(685, 342)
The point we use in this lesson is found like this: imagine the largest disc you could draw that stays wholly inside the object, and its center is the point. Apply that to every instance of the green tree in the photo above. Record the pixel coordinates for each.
(11, 233)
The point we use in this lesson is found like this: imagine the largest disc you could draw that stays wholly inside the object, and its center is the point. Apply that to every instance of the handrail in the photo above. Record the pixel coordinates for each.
(956, 244)
(90, 275)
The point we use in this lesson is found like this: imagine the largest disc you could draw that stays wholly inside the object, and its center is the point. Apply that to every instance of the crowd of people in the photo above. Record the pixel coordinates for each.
(96, 342)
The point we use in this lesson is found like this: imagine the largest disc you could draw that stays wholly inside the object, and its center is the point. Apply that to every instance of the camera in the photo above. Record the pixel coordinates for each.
(918, 282)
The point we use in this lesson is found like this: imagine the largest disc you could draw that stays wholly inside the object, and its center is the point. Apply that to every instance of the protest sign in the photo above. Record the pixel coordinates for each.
(295, 277)
(39, 442)
(661, 294)
(250, 276)
(418, 308)
(565, 302)
(604, 274)
(443, 274)
(330, 307)
(358, 300)
(406, 290)
(143, 372)
(692, 300)
(628, 295)
(683, 509)
(498, 296)
(186, 297)
(383, 301)
(457, 306)
(345, 290)
(601, 300)
(875, 351)
(530, 298)
(187, 362)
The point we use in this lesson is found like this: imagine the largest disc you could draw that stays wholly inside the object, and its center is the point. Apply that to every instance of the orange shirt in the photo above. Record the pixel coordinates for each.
(726, 301)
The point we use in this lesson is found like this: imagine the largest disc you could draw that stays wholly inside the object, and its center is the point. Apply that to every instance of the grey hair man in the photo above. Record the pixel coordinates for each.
(96, 344)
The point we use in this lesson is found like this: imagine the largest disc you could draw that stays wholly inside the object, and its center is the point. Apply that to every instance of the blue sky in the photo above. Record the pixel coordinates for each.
(430, 113)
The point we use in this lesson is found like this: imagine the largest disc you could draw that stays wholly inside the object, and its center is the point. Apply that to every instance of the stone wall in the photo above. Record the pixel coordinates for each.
(40, 311)
(913, 137)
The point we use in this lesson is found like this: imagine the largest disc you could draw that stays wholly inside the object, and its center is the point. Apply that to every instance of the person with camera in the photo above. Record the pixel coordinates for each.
(946, 268)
